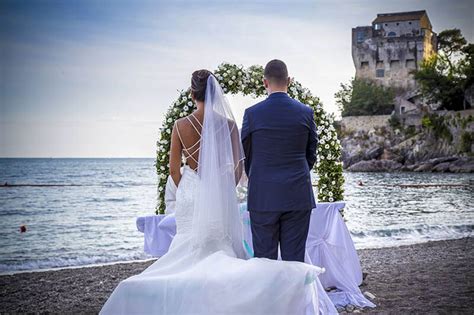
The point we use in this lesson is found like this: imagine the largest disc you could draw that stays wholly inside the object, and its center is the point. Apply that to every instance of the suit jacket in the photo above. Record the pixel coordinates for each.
(280, 141)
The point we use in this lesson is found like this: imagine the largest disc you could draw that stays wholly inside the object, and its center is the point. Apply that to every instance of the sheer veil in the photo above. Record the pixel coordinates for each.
(216, 221)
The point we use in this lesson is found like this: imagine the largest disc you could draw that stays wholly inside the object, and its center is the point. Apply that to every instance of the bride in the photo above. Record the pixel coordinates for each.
(206, 270)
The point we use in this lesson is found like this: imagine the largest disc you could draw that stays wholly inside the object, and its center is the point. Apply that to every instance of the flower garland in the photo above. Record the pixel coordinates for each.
(235, 79)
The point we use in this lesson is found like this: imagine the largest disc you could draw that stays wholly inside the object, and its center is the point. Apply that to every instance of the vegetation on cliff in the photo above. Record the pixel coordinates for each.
(364, 97)
(445, 77)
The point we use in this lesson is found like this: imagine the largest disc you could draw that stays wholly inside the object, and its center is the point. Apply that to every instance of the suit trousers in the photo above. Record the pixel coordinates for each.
(288, 228)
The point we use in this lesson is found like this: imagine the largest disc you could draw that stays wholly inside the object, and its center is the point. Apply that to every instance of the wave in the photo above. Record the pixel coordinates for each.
(62, 262)
(405, 236)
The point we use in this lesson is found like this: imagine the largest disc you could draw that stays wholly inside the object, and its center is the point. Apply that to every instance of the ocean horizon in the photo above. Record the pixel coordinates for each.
(82, 211)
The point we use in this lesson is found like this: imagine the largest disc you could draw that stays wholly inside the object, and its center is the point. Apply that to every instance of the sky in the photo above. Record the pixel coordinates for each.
(94, 78)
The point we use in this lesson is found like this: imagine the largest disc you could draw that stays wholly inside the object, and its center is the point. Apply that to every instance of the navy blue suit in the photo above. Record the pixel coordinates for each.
(280, 140)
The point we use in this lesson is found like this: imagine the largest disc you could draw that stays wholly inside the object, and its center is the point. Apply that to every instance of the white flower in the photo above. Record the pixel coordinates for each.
(331, 199)
(181, 114)
(160, 188)
(163, 176)
(190, 103)
(225, 74)
(176, 109)
(233, 77)
(228, 71)
(252, 80)
(240, 72)
(327, 146)
(225, 89)
(231, 82)
(185, 108)
(170, 120)
(333, 182)
(162, 168)
(310, 102)
(168, 130)
(322, 141)
(330, 193)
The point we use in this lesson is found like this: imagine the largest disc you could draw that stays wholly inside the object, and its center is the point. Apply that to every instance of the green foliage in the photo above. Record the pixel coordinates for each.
(426, 122)
(437, 124)
(394, 122)
(410, 131)
(445, 76)
(364, 97)
(466, 120)
(467, 139)
(235, 79)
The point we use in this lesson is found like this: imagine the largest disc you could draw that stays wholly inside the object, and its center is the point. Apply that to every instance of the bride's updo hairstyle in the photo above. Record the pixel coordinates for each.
(199, 83)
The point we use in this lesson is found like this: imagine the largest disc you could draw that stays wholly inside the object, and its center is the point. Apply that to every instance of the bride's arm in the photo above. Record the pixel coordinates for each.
(175, 156)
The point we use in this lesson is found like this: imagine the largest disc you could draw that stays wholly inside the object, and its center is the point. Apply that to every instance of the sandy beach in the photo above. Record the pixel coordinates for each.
(434, 277)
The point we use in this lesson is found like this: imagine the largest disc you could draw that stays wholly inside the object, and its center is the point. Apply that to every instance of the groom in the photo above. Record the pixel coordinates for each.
(279, 139)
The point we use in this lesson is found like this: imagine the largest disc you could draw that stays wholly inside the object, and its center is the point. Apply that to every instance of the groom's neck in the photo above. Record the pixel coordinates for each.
(277, 90)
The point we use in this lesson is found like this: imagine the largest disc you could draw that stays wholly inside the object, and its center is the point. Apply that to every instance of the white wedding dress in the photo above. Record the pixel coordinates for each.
(205, 270)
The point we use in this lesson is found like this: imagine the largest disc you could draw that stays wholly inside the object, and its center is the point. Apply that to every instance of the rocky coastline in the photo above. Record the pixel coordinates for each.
(441, 145)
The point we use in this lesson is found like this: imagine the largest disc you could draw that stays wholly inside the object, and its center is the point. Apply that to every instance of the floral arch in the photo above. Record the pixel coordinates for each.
(235, 79)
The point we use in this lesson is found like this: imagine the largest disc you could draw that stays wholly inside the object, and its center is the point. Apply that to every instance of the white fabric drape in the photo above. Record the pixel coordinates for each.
(330, 245)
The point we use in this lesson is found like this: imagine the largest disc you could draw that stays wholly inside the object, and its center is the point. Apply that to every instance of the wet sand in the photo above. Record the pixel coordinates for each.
(434, 278)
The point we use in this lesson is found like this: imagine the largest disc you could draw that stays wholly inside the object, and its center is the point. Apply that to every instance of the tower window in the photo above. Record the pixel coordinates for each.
(410, 64)
(394, 64)
(360, 37)
(391, 34)
(380, 73)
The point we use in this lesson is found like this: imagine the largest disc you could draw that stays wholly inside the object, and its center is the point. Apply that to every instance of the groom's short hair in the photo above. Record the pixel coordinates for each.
(276, 72)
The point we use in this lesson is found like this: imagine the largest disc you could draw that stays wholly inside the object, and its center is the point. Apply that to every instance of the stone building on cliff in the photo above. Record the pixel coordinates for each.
(389, 49)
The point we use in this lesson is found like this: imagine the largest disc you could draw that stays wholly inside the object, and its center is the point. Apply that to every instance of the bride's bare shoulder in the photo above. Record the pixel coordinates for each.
(183, 121)
(188, 121)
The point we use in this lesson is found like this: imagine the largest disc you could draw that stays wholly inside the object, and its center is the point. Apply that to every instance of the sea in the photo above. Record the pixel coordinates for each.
(82, 211)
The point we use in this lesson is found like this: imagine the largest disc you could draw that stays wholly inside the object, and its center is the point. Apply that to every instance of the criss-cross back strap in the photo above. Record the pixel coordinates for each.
(188, 149)
(192, 123)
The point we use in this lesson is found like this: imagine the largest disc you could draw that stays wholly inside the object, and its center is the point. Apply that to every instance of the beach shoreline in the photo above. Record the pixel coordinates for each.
(432, 277)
